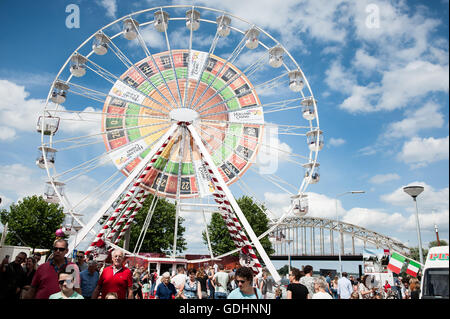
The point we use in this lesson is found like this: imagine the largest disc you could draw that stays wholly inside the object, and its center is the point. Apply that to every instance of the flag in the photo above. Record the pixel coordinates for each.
(396, 263)
(413, 268)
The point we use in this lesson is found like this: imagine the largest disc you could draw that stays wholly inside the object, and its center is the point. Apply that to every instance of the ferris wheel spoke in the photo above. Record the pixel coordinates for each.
(241, 94)
(109, 131)
(100, 186)
(263, 144)
(267, 177)
(121, 56)
(173, 67)
(93, 94)
(103, 156)
(272, 107)
(79, 145)
(271, 181)
(113, 79)
(180, 164)
(245, 189)
(230, 59)
(118, 115)
(211, 51)
(251, 69)
(157, 190)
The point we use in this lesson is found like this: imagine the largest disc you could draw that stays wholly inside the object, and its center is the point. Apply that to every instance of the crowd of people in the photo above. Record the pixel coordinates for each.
(61, 278)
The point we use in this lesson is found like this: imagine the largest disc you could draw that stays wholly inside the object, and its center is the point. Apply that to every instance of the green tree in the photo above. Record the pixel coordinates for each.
(435, 243)
(283, 271)
(32, 222)
(159, 235)
(219, 235)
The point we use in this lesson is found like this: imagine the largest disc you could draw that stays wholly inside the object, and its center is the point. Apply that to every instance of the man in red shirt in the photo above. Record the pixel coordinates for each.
(116, 278)
(45, 280)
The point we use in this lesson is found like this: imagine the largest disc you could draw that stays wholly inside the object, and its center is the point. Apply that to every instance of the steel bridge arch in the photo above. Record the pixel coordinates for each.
(289, 224)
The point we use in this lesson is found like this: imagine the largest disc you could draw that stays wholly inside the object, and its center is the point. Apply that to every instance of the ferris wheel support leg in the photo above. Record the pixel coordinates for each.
(83, 232)
(235, 206)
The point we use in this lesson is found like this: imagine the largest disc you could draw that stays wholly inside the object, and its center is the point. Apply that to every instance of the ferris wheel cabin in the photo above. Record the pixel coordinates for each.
(223, 25)
(192, 19)
(47, 125)
(59, 92)
(315, 140)
(130, 29)
(78, 65)
(308, 110)
(100, 44)
(161, 21)
(296, 83)
(312, 170)
(50, 194)
(252, 41)
(46, 154)
(300, 204)
(276, 57)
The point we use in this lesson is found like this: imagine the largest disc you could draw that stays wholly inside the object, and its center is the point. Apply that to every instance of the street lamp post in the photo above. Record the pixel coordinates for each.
(340, 226)
(415, 191)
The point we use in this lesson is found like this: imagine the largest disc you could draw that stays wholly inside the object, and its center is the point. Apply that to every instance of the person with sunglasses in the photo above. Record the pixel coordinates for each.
(245, 289)
(66, 284)
(45, 281)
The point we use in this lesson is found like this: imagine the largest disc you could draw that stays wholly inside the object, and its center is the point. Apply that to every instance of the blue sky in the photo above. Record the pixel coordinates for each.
(379, 70)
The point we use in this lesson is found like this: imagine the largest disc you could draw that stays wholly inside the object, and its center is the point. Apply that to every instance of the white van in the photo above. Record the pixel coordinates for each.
(435, 283)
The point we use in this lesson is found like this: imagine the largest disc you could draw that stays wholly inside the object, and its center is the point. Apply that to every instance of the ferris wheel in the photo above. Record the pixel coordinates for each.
(178, 102)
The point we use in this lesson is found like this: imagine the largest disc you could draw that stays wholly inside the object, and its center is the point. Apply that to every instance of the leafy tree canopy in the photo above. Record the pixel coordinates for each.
(32, 222)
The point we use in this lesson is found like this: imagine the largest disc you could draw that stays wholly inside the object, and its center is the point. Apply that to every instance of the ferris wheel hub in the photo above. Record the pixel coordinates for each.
(182, 114)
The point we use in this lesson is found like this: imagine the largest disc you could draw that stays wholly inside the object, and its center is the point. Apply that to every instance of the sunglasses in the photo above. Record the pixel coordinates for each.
(240, 281)
(61, 249)
(67, 281)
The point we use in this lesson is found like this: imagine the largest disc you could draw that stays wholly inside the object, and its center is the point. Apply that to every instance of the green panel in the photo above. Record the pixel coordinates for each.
(187, 169)
(114, 122)
(144, 153)
(221, 154)
(233, 104)
(227, 93)
(172, 168)
(133, 108)
(133, 134)
(235, 129)
(231, 142)
(207, 77)
(146, 88)
(218, 84)
(160, 163)
(131, 121)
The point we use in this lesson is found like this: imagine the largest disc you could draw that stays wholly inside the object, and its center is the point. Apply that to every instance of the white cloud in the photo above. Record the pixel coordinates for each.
(110, 6)
(426, 117)
(373, 218)
(431, 198)
(419, 152)
(7, 133)
(384, 178)
(18, 112)
(336, 142)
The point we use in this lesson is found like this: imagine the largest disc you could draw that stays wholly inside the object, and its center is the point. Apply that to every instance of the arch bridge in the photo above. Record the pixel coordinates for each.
(313, 238)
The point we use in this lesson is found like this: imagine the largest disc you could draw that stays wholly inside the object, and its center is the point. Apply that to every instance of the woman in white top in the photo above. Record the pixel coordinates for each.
(364, 292)
(320, 284)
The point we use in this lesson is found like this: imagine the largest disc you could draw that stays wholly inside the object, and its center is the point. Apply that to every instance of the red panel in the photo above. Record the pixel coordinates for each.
(116, 143)
(172, 182)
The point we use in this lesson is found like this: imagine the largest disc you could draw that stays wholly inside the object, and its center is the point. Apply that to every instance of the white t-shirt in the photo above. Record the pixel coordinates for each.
(221, 279)
(179, 280)
(321, 295)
